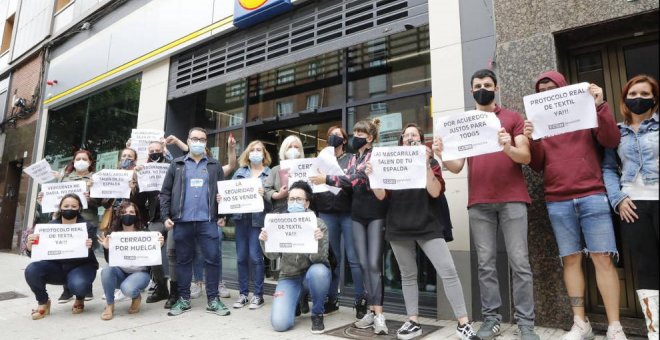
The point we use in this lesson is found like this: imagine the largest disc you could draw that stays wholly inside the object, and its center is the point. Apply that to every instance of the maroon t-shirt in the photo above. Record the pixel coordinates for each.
(494, 177)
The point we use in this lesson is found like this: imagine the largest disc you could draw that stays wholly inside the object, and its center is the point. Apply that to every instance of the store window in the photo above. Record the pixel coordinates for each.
(101, 123)
(224, 106)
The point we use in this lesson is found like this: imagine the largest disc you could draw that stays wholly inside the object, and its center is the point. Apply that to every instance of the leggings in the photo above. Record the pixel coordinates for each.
(368, 240)
(438, 253)
(642, 238)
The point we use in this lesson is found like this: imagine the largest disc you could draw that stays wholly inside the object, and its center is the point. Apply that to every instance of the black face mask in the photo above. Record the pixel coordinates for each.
(335, 141)
(358, 142)
(128, 219)
(639, 105)
(69, 214)
(156, 156)
(483, 96)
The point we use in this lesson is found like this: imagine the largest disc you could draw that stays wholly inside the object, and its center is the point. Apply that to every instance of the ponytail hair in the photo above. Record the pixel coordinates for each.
(369, 127)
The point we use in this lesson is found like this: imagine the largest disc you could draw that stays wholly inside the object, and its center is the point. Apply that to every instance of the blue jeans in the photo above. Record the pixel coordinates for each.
(130, 283)
(287, 293)
(198, 265)
(186, 236)
(79, 279)
(339, 225)
(588, 216)
(249, 254)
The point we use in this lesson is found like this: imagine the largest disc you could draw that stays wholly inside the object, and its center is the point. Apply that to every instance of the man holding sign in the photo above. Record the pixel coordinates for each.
(498, 199)
(577, 204)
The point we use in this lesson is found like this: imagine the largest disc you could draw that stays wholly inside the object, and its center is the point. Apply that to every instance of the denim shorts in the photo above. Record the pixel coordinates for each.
(585, 216)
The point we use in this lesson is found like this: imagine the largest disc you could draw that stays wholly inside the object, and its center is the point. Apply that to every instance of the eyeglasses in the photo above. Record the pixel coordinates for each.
(410, 135)
(196, 140)
(297, 200)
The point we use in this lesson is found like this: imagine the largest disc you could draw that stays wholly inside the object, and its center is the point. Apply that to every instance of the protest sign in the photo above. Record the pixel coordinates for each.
(134, 249)
(240, 196)
(111, 184)
(152, 175)
(467, 134)
(291, 233)
(140, 139)
(300, 170)
(565, 109)
(53, 193)
(40, 172)
(60, 241)
(398, 167)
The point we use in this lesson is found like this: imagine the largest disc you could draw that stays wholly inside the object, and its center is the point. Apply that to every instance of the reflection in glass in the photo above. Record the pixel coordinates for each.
(224, 106)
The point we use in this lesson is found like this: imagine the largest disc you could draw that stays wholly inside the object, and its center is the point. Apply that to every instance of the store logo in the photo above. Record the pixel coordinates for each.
(251, 4)
(250, 12)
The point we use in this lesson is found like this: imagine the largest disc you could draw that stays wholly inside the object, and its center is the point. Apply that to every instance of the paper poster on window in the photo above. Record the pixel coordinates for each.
(40, 172)
(240, 196)
(562, 110)
(53, 193)
(60, 241)
(111, 184)
(291, 233)
(140, 139)
(134, 249)
(467, 134)
(300, 170)
(398, 167)
(152, 175)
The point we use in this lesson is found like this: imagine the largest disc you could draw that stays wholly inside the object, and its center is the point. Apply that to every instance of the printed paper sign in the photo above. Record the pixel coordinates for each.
(111, 184)
(40, 172)
(152, 175)
(240, 196)
(467, 134)
(60, 241)
(566, 109)
(134, 249)
(53, 193)
(140, 139)
(301, 170)
(291, 233)
(398, 167)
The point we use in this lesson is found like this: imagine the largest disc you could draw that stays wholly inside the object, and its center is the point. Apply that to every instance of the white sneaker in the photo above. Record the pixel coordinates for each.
(152, 286)
(223, 291)
(380, 328)
(581, 330)
(195, 290)
(119, 296)
(367, 321)
(615, 333)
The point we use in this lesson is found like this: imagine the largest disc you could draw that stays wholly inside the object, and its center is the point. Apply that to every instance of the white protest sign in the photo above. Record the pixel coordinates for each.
(467, 134)
(53, 193)
(565, 109)
(300, 170)
(291, 233)
(60, 241)
(140, 139)
(152, 175)
(134, 249)
(327, 163)
(111, 184)
(398, 167)
(240, 196)
(40, 172)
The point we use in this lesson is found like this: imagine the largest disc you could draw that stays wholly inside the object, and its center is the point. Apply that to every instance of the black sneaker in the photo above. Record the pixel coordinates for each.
(65, 297)
(304, 305)
(330, 306)
(409, 330)
(360, 308)
(317, 324)
(89, 296)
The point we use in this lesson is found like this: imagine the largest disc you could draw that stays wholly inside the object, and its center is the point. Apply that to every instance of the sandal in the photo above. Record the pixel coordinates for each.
(78, 306)
(41, 311)
(108, 312)
(135, 305)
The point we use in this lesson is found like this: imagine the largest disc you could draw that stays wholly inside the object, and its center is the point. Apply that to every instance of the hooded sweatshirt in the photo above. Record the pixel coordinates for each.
(571, 161)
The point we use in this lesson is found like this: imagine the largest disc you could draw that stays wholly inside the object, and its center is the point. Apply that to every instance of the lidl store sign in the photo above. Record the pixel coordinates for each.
(250, 12)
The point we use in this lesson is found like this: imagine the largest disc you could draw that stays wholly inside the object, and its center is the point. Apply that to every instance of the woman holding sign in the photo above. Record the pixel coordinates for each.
(131, 280)
(631, 178)
(77, 273)
(254, 162)
(412, 218)
(277, 185)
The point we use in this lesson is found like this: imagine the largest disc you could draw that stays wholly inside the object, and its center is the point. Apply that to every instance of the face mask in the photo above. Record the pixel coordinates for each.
(197, 148)
(256, 157)
(639, 105)
(156, 156)
(81, 165)
(69, 214)
(483, 96)
(126, 163)
(292, 153)
(128, 219)
(335, 141)
(358, 142)
(295, 207)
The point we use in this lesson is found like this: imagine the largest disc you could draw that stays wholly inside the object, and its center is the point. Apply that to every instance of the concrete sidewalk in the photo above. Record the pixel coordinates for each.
(153, 323)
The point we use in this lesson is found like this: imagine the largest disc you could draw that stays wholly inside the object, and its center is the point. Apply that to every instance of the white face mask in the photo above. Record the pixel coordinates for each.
(81, 165)
(292, 153)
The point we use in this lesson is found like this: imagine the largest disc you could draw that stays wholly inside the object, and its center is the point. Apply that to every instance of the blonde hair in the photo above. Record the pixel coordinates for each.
(244, 159)
(369, 127)
(286, 143)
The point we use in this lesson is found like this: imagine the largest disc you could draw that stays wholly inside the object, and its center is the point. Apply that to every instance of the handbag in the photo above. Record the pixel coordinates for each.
(106, 219)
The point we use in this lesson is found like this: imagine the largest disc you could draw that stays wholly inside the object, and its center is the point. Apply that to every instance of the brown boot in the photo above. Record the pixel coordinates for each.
(108, 312)
(135, 305)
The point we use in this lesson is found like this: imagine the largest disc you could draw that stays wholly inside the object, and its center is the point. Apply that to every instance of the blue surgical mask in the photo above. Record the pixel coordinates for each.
(197, 148)
(295, 207)
(256, 157)
(125, 163)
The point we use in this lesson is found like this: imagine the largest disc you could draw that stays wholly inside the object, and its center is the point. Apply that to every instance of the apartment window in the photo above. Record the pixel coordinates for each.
(285, 76)
(60, 4)
(6, 36)
(313, 69)
(284, 108)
